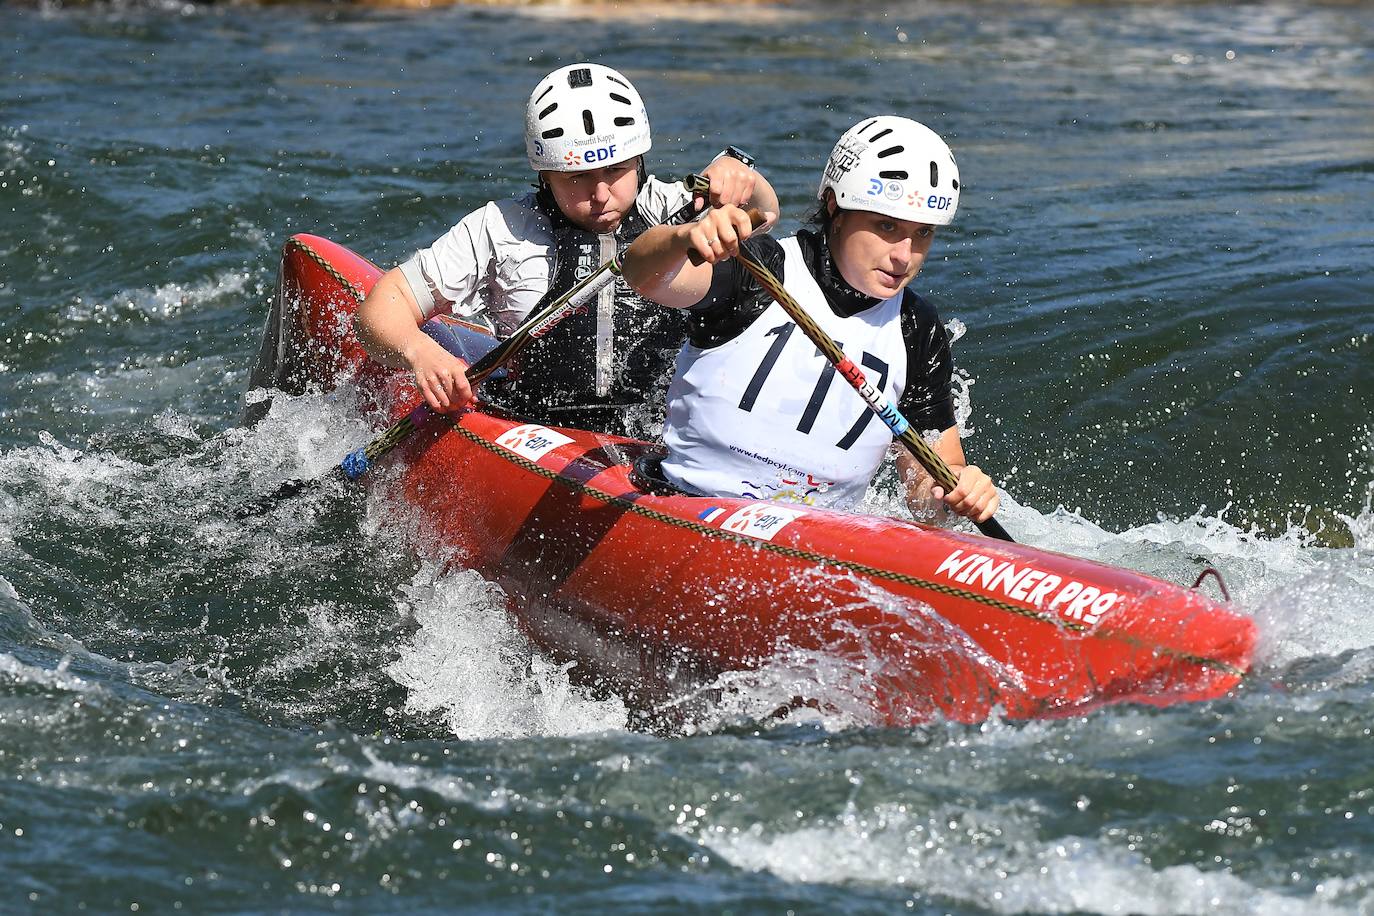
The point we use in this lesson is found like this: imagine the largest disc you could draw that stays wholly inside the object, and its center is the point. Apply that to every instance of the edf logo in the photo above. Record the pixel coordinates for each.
(600, 154)
(933, 202)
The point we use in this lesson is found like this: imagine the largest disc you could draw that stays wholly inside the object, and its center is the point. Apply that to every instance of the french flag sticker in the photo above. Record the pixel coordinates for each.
(711, 513)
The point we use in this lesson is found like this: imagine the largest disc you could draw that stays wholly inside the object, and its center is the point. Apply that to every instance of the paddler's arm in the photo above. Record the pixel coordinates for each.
(734, 182)
(656, 264)
(975, 497)
(387, 325)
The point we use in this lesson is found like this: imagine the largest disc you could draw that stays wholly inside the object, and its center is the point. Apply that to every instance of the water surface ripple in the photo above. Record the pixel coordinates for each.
(1162, 259)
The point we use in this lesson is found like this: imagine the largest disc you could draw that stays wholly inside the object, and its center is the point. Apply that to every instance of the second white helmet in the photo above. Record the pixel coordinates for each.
(584, 116)
(894, 166)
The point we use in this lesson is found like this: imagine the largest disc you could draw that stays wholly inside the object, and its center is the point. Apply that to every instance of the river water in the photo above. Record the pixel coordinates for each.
(1163, 262)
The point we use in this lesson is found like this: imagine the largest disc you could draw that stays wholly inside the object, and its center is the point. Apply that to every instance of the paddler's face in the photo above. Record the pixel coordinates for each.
(876, 254)
(596, 199)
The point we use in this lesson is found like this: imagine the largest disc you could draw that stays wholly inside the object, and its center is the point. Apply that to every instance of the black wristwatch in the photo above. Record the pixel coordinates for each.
(734, 152)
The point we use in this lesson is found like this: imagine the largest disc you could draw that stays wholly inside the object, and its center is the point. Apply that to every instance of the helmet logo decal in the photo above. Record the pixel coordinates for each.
(931, 202)
(892, 190)
(587, 157)
(843, 159)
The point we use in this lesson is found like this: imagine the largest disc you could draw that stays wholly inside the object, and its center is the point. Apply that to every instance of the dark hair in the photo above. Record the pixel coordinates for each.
(821, 219)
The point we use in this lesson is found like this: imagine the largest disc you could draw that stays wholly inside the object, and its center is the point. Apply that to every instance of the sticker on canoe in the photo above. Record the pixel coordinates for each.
(762, 520)
(1070, 598)
(532, 441)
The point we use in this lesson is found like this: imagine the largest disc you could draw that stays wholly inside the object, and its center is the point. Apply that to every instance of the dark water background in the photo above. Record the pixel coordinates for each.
(1163, 260)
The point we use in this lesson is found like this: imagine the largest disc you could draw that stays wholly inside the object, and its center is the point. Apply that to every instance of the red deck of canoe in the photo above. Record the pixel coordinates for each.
(654, 592)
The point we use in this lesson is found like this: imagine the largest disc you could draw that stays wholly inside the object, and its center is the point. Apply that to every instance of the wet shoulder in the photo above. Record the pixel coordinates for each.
(924, 333)
(517, 220)
(919, 309)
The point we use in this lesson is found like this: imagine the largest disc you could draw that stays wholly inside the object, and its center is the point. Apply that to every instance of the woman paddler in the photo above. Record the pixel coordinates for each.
(753, 409)
(586, 133)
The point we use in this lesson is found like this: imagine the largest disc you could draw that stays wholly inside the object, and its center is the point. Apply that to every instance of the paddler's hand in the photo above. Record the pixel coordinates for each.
(735, 184)
(975, 497)
(440, 376)
(717, 235)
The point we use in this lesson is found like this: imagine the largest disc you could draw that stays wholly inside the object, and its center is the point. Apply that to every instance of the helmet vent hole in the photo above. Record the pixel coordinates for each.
(580, 78)
(934, 175)
(587, 123)
(541, 95)
(548, 111)
(891, 151)
(551, 134)
(618, 82)
(620, 98)
(624, 122)
(879, 135)
(956, 184)
(895, 175)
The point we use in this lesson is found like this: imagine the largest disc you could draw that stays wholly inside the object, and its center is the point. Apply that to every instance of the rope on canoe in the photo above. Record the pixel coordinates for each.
(795, 553)
(632, 505)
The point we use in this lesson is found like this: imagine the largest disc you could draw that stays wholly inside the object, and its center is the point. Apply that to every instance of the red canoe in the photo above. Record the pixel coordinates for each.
(653, 594)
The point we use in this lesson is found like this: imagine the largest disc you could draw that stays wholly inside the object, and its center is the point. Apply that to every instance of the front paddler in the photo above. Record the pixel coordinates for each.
(751, 410)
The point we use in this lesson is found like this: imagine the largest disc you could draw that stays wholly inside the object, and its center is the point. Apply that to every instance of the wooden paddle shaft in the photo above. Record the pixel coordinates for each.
(930, 460)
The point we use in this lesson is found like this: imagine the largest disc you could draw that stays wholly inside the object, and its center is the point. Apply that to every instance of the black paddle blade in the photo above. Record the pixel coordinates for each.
(267, 502)
(289, 488)
(993, 529)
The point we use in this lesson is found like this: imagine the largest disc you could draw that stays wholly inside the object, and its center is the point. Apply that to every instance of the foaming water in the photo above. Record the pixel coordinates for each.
(1160, 266)
(998, 861)
(469, 664)
(163, 302)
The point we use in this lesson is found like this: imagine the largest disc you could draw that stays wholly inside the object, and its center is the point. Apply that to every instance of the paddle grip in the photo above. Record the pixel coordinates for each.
(756, 218)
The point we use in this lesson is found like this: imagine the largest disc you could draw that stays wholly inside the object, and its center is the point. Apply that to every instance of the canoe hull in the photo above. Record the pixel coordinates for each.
(655, 594)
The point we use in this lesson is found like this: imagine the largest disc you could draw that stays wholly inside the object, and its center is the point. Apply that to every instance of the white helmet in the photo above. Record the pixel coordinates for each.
(896, 167)
(582, 117)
